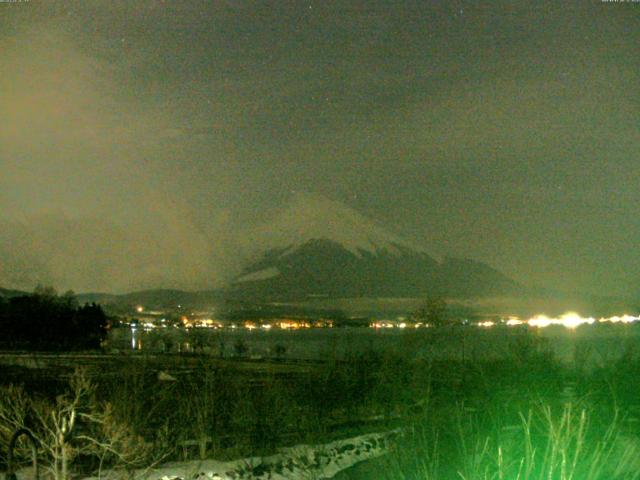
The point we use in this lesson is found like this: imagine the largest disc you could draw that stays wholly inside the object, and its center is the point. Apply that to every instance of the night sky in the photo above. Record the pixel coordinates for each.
(141, 142)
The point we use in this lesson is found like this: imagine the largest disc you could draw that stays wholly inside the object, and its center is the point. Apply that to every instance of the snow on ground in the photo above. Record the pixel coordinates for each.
(293, 463)
(301, 462)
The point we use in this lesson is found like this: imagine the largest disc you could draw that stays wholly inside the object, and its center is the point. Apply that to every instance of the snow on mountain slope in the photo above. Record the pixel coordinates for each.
(310, 217)
(263, 274)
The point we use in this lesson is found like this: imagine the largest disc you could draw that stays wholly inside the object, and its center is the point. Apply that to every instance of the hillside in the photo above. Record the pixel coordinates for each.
(325, 268)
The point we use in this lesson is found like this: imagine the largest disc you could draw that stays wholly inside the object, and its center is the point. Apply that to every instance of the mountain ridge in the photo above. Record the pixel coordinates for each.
(324, 267)
(310, 217)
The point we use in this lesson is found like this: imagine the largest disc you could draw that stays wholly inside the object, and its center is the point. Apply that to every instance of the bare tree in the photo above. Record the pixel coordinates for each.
(74, 425)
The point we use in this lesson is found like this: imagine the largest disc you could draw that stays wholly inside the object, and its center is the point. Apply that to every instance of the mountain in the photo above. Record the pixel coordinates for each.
(313, 217)
(325, 268)
(321, 248)
(312, 247)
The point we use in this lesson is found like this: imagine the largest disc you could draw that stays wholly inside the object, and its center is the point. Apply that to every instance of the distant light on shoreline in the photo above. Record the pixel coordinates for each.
(570, 320)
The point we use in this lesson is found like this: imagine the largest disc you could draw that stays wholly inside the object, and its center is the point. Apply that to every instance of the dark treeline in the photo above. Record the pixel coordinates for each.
(45, 320)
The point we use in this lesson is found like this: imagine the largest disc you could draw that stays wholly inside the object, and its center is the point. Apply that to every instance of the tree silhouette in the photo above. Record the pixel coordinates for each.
(46, 321)
(433, 311)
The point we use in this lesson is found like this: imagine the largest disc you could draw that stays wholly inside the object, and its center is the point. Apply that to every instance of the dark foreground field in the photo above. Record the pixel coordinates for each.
(518, 415)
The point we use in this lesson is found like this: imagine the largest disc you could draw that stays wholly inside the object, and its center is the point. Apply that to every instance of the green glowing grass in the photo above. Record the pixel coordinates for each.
(569, 442)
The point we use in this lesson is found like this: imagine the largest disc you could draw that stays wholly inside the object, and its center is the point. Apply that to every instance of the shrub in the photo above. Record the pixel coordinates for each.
(74, 429)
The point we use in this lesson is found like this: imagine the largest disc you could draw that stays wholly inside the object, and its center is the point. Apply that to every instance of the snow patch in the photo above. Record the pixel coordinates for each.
(292, 463)
(263, 274)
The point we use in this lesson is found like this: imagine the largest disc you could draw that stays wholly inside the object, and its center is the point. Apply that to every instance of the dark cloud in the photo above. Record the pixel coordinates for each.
(506, 132)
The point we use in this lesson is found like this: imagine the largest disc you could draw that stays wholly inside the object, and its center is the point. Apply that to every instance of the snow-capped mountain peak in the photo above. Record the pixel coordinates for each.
(319, 247)
(313, 217)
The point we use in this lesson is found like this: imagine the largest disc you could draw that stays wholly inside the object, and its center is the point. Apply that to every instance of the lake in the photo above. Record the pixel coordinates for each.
(590, 345)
